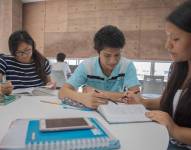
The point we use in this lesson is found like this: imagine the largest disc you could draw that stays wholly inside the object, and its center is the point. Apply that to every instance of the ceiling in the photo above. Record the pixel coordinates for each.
(29, 1)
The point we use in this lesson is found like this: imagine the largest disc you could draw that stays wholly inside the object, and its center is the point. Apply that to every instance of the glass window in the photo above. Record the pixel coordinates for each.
(72, 61)
(81, 60)
(143, 68)
(162, 68)
(52, 60)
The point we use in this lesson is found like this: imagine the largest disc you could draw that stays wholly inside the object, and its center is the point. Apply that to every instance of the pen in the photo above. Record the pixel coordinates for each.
(107, 98)
(134, 92)
(56, 103)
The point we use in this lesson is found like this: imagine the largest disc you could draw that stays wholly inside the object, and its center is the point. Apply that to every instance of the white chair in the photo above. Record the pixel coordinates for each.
(153, 85)
(59, 77)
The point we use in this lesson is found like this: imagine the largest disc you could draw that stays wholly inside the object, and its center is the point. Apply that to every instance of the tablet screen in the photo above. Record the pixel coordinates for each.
(66, 122)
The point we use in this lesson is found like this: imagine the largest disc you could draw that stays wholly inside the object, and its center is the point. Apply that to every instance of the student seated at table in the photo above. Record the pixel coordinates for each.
(25, 67)
(174, 107)
(6, 88)
(109, 73)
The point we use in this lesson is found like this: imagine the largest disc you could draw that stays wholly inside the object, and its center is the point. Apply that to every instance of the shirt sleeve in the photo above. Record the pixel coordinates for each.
(3, 65)
(79, 77)
(47, 67)
(131, 79)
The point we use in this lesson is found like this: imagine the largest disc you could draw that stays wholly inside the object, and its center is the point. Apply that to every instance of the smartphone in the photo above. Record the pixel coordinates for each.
(64, 124)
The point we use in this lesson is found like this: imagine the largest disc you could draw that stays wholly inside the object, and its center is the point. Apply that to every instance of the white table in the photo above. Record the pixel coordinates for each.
(132, 136)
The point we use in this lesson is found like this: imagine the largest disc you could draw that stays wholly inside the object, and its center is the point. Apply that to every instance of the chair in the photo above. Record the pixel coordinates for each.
(59, 77)
(153, 84)
(73, 67)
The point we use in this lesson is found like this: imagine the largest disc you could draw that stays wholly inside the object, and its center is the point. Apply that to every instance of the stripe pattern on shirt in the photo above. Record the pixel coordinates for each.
(22, 75)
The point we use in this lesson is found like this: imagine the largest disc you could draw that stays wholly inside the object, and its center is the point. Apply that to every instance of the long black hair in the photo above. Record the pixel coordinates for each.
(180, 17)
(18, 37)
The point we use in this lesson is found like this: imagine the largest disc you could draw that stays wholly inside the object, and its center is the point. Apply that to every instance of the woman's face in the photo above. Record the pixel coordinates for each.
(178, 43)
(24, 53)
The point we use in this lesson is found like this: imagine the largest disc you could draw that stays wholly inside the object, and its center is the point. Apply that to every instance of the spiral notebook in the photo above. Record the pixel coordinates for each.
(88, 139)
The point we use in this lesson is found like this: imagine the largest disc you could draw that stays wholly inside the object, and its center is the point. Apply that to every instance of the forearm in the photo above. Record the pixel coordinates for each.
(114, 95)
(152, 104)
(182, 134)
(68, 91)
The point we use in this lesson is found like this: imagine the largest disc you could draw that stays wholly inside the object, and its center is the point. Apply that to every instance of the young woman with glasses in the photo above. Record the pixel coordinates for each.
(25, 67)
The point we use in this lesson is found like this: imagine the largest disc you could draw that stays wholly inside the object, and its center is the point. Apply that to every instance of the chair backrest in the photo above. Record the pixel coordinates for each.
(59, 77)
(73, 67)
(153, 84)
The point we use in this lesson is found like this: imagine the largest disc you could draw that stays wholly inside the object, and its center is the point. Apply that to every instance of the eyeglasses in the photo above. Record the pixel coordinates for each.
(23, 52)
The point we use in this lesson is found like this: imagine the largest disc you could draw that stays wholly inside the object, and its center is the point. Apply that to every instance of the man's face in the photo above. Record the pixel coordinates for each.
(109, 58)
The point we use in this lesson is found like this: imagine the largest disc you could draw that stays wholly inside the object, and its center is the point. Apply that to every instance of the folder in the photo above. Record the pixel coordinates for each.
(25, 134)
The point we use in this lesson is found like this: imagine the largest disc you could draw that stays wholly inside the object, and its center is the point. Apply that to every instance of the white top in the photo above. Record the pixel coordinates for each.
(62, 66)
(176, 100)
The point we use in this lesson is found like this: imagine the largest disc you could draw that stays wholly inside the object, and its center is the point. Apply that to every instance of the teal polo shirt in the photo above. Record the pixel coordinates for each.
(89, 73)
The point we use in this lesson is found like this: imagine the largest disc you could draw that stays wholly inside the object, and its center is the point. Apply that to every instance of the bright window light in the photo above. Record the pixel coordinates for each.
(143, 68)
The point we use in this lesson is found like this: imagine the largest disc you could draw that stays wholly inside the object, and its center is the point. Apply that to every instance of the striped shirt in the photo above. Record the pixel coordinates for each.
(22, 75)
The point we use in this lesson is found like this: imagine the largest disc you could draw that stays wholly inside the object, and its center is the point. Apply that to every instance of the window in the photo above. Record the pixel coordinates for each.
(143, 68)
(162, 68)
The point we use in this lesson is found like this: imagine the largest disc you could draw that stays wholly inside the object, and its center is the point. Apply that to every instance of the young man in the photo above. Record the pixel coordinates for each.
(109, 73)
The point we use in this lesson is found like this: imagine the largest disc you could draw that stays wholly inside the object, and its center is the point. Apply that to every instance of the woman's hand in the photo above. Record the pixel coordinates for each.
(163, 118)
(51, 84)
(6, 88)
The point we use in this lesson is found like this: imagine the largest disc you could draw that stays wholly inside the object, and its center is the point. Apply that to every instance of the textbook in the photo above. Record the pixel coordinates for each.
(33, 91)
(123, 113)
(25, 134)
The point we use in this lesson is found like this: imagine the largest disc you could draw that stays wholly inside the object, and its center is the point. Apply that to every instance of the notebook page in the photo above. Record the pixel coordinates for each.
(23, 91)
(122, 113)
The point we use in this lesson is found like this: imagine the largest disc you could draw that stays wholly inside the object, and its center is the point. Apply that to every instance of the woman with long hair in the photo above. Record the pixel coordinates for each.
(26, 67)
(174, 107)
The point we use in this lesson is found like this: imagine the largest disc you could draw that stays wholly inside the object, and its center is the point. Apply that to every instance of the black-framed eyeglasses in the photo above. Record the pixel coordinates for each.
(23, 52)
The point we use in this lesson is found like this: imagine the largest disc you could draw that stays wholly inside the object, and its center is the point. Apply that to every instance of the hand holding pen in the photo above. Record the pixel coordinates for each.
(105, 97)
(131, 97)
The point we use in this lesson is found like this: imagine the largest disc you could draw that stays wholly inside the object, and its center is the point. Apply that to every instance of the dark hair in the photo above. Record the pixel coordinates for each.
(181, 17)
(22, 36)
(60, 57)
(108, 37)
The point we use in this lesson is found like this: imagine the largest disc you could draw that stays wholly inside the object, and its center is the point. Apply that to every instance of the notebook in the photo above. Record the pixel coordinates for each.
(25, 134)
(33, 91)
(123, 113)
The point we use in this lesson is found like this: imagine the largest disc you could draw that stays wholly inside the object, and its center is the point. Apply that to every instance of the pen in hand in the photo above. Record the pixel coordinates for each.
(126, 93)
(106, 98)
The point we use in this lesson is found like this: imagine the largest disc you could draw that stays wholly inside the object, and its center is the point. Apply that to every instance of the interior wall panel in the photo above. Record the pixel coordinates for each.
(70, 25)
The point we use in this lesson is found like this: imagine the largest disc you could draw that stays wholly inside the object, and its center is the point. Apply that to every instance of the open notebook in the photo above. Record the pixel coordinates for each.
(25, 135)
(123, 113)
(34, 91)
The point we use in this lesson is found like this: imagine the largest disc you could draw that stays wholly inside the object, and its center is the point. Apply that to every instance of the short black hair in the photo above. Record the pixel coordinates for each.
(60, 57)
(108, 36)
(181, 16)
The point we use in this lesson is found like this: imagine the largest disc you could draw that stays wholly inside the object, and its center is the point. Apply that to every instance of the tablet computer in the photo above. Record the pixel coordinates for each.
(64, 124)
